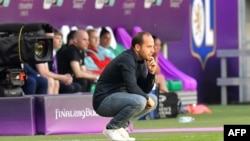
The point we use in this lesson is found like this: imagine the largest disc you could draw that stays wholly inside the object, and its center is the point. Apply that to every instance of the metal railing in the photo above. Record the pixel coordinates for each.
(224, 80)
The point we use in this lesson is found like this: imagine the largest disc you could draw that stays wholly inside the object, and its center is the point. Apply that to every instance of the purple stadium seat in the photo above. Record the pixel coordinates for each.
(123, 38)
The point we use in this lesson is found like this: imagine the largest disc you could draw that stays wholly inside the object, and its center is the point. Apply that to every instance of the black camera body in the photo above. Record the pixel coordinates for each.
(22, 43)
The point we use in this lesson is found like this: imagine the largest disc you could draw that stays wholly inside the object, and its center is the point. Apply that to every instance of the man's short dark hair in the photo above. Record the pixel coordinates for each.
(138, 38)
(70, 36)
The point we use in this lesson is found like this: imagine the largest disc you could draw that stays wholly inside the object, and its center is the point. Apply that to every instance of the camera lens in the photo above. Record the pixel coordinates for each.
(41, 48)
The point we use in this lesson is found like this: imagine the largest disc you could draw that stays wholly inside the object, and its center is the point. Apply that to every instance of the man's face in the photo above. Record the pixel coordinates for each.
(82, 40)
(147, 48)
(93, 39)
(57, 41)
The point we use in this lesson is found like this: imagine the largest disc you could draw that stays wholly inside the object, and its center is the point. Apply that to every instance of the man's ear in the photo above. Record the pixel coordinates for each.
(137, 47)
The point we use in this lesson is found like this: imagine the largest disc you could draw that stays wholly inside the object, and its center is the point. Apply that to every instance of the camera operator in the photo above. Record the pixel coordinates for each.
(53, 84)
(34, 84)
(24, 45)
(55, 80)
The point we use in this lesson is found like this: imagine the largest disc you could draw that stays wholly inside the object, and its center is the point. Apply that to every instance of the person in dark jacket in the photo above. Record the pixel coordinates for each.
(122, 90)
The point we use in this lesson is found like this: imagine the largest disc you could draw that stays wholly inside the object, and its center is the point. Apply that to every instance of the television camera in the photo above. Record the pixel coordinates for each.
(21, 43)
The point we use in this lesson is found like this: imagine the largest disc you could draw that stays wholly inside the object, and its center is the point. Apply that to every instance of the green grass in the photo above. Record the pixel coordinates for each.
(221, 115)
(232, 114)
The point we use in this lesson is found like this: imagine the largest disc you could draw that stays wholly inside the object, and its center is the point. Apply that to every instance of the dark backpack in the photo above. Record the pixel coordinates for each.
(168, 105)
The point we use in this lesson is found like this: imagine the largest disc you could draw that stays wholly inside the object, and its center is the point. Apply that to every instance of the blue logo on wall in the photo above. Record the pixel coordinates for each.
(202, 30)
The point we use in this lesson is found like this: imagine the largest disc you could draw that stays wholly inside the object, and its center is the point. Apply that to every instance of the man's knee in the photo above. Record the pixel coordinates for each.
(42, 82)
(30, 86)
(30, 81)
(77, 87)
(139, 102)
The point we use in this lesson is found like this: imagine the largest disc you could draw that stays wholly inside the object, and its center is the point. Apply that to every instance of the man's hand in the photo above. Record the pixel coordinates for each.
(151, 65)
(150, 103)
(67, 79)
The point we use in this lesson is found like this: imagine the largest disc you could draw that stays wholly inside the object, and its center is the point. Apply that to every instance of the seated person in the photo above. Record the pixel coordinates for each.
(159, 78)
(43, 70)
(104, 47)
(105, 42)
(94, 60)
(71, 61)
(35, 84)
(64, 87)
